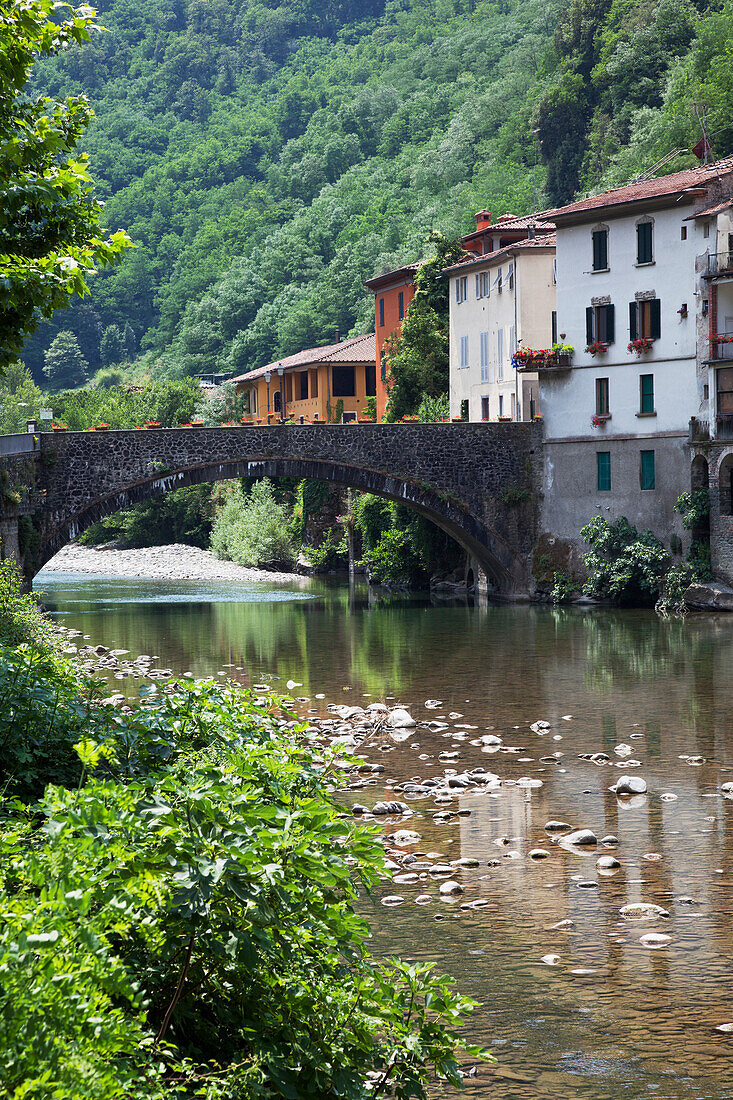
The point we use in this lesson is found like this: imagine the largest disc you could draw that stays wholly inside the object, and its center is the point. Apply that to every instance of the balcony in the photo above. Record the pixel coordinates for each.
(544, 361)
(719, 265)
(724, 427)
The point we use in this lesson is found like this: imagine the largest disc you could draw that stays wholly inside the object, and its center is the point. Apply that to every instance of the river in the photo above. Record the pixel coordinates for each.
(614, 1019)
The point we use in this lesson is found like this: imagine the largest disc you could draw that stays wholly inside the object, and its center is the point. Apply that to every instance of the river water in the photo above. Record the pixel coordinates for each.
(614, 1019)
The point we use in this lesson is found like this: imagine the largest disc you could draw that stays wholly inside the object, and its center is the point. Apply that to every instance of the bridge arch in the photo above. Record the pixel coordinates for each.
(484, 546)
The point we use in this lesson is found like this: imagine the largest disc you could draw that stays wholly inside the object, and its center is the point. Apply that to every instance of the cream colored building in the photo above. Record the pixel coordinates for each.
(499, 302)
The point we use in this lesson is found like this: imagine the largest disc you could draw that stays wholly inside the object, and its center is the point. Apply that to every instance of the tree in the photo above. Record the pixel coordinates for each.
(129, 341)
(418, 357)
(20, 398)
(49, 216)
(112, 350)
(64, 365)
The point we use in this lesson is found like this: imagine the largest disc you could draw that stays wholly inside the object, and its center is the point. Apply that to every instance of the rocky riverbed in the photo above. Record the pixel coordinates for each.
(175, 562)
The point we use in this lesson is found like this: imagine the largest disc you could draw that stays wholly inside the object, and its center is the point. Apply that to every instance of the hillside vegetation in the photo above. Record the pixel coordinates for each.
(266, 157)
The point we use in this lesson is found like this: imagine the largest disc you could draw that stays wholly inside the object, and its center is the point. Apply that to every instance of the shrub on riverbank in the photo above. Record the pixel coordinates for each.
(253, 529)
(624, 565)
(177, 911)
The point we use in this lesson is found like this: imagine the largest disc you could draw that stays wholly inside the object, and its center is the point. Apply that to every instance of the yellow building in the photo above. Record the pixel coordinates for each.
(309, 386)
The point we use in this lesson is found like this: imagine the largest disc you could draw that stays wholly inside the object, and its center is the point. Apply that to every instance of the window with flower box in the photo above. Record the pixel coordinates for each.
(645, 319)
(600, 324)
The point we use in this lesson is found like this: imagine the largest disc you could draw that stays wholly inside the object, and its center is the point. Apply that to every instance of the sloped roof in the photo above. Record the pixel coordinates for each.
(546, 241)
(710, 210)
(359, 349)
(399, 273)
(679, 183)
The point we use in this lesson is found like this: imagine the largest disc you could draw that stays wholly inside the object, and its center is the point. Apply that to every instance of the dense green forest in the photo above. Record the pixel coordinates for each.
(267, 156)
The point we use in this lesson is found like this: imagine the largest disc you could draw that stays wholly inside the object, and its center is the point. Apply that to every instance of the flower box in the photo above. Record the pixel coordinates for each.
(596, 348)
(197, 423)
(503, 418)
(598, 420)
(102, 428)
(641, 346)
(185, 425)
(59, 428)
(153, 424)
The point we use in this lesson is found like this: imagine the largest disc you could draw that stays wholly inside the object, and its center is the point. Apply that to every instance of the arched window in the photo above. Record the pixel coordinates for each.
(277, 403)
(725, 486)
(699, 475)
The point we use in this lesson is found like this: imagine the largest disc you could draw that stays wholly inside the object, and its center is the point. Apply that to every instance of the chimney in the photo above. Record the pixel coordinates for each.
(336, 336)
(483, 219)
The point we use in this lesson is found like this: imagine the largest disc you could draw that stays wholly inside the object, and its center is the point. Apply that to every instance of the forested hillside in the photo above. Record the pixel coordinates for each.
(266, 157)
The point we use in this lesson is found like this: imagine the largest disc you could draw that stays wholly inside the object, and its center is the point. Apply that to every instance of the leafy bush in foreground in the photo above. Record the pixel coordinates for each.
(253, 530)
(624, 565)
(180, 921)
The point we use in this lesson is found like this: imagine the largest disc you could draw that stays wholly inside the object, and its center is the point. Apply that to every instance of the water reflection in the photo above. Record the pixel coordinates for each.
(639, 1023)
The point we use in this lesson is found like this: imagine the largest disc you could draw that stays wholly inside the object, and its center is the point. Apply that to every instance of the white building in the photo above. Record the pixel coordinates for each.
(632, 300)
(500, 301)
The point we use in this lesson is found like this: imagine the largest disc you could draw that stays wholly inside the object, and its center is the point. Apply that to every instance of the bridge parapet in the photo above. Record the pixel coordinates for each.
(477, 481)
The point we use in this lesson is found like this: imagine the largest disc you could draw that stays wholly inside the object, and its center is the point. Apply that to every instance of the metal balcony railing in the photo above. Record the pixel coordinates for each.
(720, 263)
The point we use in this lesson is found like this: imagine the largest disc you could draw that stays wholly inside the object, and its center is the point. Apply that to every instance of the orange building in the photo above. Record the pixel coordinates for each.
(393, 292)
(308, 387)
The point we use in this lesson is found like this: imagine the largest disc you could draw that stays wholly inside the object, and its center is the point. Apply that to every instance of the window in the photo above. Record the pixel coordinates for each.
(303, 385)
(461, 289)
(603, 471)
(482, 284)
(348, 418)
(683, 233)
(724, 377)
(314, 383)
(602, 403)
(370, 380)
(644, 243)
(464, 352)
(484, 356)
(498, 281)
(484, 408)
(647, 477)
(645, 319)
(512, 340)
(247, 403)
(501, 404)
(401, 305)
(289, 388)
(646, 394)
(381, 312)
(277, 402)
(554, 326)
(343, 382)
(500, 352)
(383, 365)
(706, 229)
(600, 249)
(600, 324)
(510, 276)
(554, 270)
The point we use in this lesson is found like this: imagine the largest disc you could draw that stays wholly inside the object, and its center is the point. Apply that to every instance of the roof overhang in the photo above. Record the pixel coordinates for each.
(623, 209)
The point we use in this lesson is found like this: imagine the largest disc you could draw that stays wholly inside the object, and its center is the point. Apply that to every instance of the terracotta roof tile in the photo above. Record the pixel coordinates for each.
(359, 349)
(547, 240)
(677, 183)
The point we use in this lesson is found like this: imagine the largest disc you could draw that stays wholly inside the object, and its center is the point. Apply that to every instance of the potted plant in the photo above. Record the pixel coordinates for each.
(59, 427)
(153, 424)
(641, 346)
(596, 347)
(197, 422)
(598, 420)
(503, 418)
(102, 428)
(185, 425)
(563, 353)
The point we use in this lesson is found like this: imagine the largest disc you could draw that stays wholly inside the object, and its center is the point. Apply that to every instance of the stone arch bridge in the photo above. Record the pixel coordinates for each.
(478, 482)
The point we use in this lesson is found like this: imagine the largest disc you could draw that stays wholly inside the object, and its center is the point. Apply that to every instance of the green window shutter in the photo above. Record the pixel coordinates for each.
(610, 324)
(600, 250)
(633, 324)
(589, 325)
(655, 319)
(603, 469)
(646, 391)
(644, 243)
(647, 470)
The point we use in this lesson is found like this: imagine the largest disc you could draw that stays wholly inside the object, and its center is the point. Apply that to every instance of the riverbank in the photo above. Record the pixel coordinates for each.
(176, 562)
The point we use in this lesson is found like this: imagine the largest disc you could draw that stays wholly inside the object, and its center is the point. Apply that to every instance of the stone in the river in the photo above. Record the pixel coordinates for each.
(623, 750)
(404, 836)
(655, 939)
(539, 853)
(375, 708)
(447, 889)
(433, 704)
(357, 808)
(725, 1028)
(465, 861)
(401, 719)
(609, 841)
(528, 783)
(558, 827)
(643, 911)
(727, 788)
(587, 884)
(393, 899)
(607, 864)
(423, 899)
(629, 784)
(390, 808)
(580, 838)
(550, 960)
(407, 878)
(539, 727)
(562, 926)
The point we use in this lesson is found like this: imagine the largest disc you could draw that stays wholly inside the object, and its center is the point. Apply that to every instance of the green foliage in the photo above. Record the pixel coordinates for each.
(222, 405)
(624, 565)
(418, 355)
(49, 216)
(514, 495)
(562, 588)
(112, 346)
(182, 516)
(20, 398)
(331, 553)
(21, 620)
(253, 529)
(694, 508)
(108, 378)
(434, 408)
(177, 909)
(393, 559)
(63, 364)
(169, 403)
